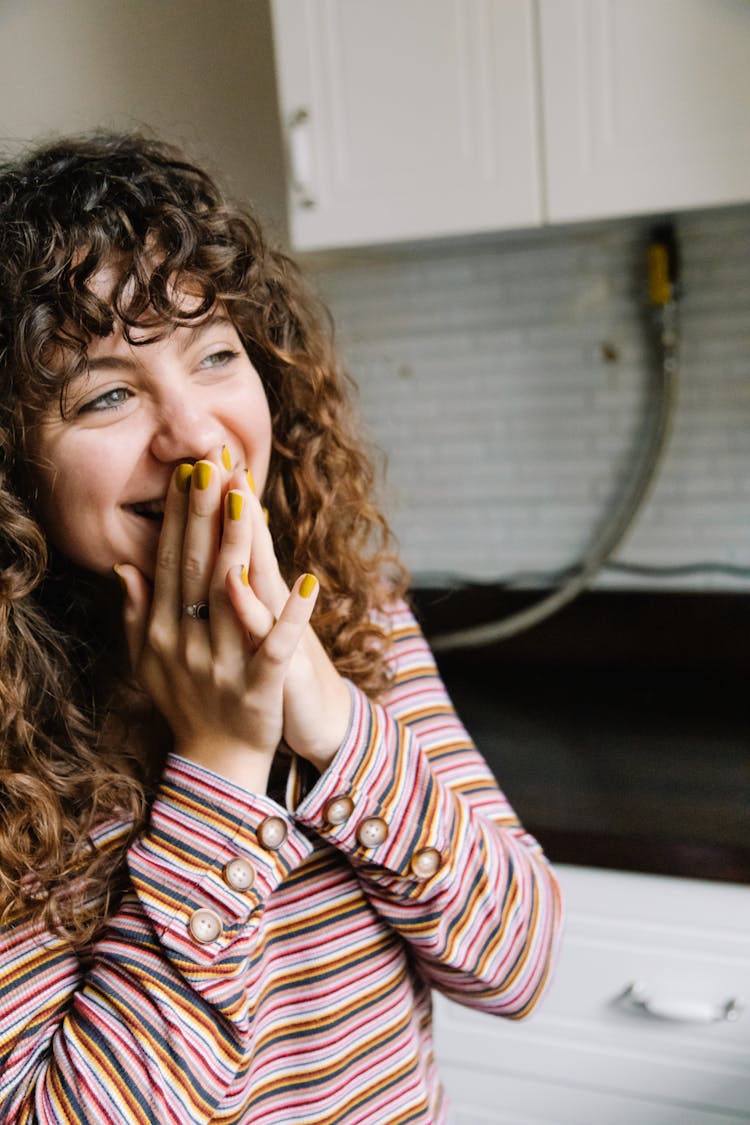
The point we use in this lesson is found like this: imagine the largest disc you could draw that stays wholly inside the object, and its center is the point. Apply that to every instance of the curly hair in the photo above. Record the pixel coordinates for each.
(67, 717)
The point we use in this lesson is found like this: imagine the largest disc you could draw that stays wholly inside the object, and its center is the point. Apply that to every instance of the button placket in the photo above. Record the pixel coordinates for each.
(239, 874)
(272, 832)
(205, 925)
(371, 832)
(425, 863)
(338, 810)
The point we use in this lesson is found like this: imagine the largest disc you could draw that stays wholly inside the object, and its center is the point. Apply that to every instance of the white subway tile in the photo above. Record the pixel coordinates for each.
(483, 377)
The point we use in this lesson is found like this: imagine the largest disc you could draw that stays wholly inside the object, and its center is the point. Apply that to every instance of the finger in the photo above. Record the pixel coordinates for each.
(167, 599)
(137, 597)
(253, 615)
(200, 544)
(228, 634)
(263, 570)
(223, 456)
(224, 462)
(279, 646)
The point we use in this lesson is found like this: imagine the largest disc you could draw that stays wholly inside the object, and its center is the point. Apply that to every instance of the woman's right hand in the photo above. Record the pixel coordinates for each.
(218, 687)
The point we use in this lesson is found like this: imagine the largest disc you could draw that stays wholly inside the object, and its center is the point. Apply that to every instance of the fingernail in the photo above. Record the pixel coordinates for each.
(226, 459)
(234, 504)
(120, 578)
(307, 586)
(182, 477)
(244, 577)
(250, 480)
(266, 515)
(202, 473)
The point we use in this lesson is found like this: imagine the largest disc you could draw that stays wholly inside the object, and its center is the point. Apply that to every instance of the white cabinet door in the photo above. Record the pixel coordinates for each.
(407, 119)
(593, 1054)
(646, 105)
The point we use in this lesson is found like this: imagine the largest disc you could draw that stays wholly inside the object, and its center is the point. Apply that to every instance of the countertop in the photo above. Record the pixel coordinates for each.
(619, 728)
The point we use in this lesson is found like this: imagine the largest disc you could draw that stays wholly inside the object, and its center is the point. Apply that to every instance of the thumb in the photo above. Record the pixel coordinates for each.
(135, 610)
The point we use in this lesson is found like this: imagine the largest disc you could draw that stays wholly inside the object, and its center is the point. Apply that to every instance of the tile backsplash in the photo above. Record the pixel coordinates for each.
(508, 381)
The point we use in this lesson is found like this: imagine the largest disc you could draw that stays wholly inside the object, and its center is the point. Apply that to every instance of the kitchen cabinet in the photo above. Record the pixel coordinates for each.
(413, 119)
(645, 105)
(407, 118)
(673, 1051)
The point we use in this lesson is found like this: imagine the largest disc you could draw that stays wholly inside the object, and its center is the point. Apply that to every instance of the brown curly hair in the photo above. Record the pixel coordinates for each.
(66, 716)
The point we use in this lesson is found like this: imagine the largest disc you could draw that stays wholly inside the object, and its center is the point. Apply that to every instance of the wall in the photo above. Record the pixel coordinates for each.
(199, 74)
(509, 380)
(482, 365)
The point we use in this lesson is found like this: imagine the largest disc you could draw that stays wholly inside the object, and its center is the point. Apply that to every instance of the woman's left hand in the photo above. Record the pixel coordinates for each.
(317, 702)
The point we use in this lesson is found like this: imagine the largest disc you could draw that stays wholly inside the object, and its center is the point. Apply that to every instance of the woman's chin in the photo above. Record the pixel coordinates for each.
(143, 545)
(142, 559)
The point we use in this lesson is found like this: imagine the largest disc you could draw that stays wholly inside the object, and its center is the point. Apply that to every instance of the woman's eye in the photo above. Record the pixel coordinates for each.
(109, 401)
(219, 359)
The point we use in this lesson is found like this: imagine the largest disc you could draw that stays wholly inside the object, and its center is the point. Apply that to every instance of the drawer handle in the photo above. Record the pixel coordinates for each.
(637, 997)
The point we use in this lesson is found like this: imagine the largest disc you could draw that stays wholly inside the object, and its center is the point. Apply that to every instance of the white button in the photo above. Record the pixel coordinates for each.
(272, 832)
(372, 831)
(239, 874)
(205, 925)
(339, 809)
(425, 863)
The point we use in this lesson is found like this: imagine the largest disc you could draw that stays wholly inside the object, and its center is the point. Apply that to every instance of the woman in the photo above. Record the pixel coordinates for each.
(237, 849)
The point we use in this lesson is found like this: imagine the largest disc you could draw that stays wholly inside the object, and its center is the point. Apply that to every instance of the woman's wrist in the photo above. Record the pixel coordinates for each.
(333, 732)
(239, 764)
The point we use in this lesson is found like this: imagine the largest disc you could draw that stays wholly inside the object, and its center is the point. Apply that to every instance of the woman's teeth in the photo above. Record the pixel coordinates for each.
(149, 509)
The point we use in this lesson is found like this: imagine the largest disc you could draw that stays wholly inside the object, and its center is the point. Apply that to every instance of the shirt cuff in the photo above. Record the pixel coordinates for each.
(210, 858)
(379, 801)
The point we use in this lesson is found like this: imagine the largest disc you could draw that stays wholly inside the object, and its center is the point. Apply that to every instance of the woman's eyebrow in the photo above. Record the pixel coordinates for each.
(193, 333)
(109, 363)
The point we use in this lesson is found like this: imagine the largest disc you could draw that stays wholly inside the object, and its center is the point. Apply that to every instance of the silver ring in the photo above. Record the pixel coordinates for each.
(198, 611)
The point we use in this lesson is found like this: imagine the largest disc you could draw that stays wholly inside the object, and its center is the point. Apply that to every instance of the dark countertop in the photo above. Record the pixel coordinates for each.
(619, 728)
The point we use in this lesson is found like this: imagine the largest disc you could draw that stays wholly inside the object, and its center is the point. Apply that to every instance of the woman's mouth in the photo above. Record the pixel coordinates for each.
(148, 509)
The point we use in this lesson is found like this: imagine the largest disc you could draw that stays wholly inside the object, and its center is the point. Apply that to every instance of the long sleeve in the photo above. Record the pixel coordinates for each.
(455, 874)
(158, 1028)
(273, 963)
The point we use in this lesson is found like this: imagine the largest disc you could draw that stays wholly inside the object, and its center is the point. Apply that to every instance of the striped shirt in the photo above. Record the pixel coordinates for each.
(304, 998)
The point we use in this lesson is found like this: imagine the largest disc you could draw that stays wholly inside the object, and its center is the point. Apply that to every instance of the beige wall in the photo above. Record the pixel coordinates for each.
(199, 72)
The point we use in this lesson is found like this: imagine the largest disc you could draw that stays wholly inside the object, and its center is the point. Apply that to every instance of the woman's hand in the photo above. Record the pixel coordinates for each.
(219, 682)
(317, 703)
(233, 685)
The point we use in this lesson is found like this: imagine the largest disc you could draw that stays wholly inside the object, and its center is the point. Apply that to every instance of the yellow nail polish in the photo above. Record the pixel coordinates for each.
(266, 515)
(307, 586)
(250, 480)
(202, 474)
(182, 477)
(234, 504)
(226, 459)
(244, 577)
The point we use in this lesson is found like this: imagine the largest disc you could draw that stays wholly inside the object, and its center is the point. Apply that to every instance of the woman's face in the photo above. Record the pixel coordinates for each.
(135, 414)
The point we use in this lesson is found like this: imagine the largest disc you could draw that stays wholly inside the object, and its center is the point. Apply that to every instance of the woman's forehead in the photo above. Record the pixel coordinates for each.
(119, 287)
(106, 281)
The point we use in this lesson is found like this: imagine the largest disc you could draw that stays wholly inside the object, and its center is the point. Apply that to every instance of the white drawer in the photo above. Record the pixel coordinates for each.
(506, 1099)
(688, 943)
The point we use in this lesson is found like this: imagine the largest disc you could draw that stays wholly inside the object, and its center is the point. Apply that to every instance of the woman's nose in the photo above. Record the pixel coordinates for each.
(184, 432)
